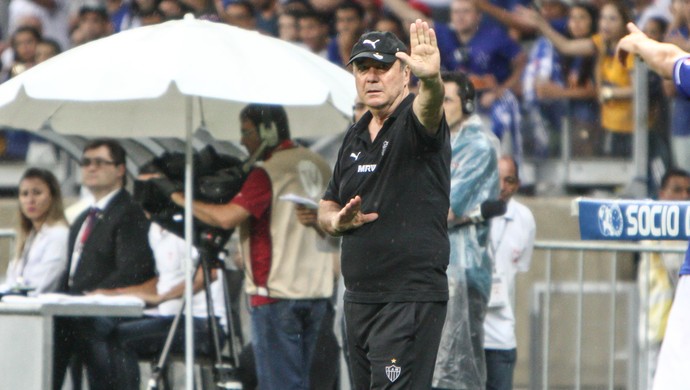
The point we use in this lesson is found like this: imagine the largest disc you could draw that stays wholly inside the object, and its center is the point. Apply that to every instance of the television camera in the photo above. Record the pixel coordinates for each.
(217, 179)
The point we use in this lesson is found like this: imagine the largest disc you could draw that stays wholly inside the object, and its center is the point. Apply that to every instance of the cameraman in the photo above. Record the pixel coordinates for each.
(289, 282)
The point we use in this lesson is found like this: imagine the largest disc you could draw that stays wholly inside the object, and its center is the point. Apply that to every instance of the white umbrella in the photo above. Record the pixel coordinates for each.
(135, 83)
(168, 79)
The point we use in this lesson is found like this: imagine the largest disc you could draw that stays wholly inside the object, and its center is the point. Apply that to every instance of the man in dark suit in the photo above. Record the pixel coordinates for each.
(109, 248)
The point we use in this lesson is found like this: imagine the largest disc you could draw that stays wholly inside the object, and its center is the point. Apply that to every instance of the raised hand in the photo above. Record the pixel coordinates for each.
(424, 59)
(627, 43)
(528, 16)
(351, 216)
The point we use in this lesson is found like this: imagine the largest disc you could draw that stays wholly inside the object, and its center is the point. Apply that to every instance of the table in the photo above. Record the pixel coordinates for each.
(26, 337)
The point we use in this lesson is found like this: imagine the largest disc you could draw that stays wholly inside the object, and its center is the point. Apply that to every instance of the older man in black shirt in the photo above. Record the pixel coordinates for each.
(388, 198)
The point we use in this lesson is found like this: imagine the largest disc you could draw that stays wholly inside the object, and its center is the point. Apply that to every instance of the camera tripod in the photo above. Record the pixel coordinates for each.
(224, 373)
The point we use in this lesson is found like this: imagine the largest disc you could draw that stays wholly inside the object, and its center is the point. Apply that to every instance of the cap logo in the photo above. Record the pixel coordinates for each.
(378, 56)
(370, 42)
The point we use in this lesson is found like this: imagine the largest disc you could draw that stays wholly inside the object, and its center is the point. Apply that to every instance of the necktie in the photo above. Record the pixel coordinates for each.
(90, 221)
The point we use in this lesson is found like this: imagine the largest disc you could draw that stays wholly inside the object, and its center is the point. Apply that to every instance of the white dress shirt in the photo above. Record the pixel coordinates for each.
(43, 260)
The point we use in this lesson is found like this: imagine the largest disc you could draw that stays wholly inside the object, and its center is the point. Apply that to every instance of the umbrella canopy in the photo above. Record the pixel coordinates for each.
(135, 83)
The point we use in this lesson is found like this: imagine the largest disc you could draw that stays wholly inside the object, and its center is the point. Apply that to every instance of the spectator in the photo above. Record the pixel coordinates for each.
(512, 241)
(46, 49)
(288, 280)
(53, 16)
(295, 5)
(202, 9)
(266, 16)
(544, 115)
(325, 7)
(390, 22)
(107, 248)
(288, 30)
(393, 256)
(93, 23)
(240, 13)
(579, 71)
(614, 84)
(474, 179)
(173, 9)
(578, 86)
(349, 25)
(656, 28)
(23, 43)
(373, 10)
(135, 13)
(645, 10)
(42, 234)
(313, 32)
(657, 277)
(494, 62)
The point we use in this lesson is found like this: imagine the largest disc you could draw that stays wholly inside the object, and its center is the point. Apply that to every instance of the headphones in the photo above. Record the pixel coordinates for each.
(267, 129)
(467, 94)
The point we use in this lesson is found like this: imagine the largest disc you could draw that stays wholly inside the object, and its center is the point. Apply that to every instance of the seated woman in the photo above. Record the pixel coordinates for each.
(42, 235)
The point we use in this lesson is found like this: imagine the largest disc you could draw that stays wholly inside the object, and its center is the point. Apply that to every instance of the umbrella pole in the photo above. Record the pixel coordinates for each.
(188, 233)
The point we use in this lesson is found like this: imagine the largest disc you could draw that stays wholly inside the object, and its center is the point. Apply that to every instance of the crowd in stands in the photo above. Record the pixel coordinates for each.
(535, 64)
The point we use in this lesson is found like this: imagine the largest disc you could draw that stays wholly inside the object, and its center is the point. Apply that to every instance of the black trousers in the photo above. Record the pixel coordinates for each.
(91, 340)
(393, 345)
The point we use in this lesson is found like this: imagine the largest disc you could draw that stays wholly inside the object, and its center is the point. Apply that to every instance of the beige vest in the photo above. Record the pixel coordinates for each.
(298, 269)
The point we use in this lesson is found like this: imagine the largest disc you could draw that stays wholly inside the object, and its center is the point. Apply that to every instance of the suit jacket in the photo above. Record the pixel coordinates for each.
(116, 253)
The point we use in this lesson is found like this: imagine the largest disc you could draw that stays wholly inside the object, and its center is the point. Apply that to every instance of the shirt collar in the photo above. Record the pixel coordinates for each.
(510, 210)
(103, 202)
(362, 126)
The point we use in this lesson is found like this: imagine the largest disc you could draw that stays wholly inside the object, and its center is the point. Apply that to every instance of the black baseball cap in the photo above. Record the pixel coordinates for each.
(377, 45)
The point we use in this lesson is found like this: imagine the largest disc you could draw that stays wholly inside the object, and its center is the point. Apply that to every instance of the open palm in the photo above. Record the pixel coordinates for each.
(424, 59)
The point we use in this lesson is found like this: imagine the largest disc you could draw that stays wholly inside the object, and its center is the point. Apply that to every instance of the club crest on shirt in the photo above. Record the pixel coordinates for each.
(393, 371)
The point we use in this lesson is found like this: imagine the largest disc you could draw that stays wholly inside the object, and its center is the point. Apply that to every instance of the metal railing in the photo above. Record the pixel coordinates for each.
(543, 323)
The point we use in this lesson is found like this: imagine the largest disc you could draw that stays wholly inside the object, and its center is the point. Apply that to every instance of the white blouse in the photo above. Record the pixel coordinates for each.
(43, 260)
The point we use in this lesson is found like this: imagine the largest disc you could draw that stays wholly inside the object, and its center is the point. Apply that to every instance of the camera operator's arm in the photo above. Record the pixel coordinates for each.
(254, 199)
(148, 292)
(225, 216)
(177, 291)
(148, 287)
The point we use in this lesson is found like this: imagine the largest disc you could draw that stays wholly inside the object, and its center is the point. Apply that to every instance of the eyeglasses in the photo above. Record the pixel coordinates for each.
(98, 162)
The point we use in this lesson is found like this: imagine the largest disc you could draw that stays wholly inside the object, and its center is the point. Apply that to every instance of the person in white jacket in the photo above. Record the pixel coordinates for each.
(512, 241)
(41, 252)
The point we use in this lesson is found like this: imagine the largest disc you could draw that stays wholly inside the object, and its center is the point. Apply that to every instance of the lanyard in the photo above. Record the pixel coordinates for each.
(494, 246)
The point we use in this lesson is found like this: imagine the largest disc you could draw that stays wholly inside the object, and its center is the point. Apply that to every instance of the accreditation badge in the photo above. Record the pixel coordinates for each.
(499, 292)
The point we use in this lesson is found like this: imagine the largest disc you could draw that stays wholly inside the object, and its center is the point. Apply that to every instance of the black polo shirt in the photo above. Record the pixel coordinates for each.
(404, 176)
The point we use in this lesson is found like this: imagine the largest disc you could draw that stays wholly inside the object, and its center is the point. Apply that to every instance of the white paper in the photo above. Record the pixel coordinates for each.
(308, 202)
(65, 299)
